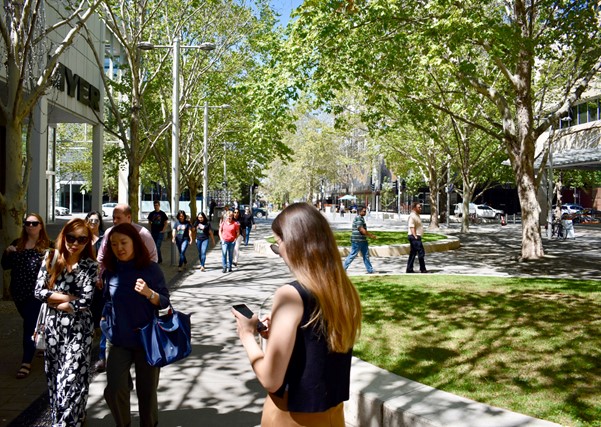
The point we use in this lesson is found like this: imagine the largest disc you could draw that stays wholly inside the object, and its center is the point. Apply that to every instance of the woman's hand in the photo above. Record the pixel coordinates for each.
(11, 248)
(244, 325)
(142, 288)
(267, 322)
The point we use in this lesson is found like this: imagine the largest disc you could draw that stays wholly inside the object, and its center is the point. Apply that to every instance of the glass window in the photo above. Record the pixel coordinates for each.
(582, 113)
(593, 110)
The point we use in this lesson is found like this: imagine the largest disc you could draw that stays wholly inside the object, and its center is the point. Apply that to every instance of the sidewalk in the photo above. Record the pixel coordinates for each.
(215, 386)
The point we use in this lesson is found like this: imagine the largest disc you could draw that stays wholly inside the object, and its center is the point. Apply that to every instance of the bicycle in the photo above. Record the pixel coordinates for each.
(558, 231)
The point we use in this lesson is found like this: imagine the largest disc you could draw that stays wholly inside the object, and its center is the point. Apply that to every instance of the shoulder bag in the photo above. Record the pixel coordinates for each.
(167, 338)
(38, 337)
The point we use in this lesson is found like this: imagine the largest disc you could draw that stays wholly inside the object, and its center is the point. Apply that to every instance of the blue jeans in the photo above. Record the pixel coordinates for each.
(158, 241)
(102, 352)
(202, 246)
(247, 235)
(182, 245)
(357, 247)
(227, 253)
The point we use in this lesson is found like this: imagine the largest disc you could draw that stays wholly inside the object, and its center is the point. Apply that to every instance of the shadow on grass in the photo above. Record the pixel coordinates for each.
(532, 346)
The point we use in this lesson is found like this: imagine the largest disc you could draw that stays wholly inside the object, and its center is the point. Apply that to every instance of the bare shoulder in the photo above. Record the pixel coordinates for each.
(288, 293)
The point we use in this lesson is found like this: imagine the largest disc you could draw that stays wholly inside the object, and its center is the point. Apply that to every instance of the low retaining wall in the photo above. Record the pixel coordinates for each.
(262, 247)
(379, 398)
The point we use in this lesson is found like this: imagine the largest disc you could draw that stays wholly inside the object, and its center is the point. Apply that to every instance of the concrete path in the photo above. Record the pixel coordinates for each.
(215, 386)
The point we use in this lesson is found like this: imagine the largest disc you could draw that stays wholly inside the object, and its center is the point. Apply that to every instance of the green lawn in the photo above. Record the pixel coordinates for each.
(529, 345)
(385, 238)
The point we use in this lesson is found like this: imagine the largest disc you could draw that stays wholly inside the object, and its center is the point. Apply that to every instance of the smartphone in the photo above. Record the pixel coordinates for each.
(247, 312)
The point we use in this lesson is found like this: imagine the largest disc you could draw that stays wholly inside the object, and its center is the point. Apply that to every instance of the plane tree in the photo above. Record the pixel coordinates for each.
(528, 60)
(29, 62)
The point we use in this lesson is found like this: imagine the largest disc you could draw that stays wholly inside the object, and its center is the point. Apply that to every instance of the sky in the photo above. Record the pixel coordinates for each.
(284, 7)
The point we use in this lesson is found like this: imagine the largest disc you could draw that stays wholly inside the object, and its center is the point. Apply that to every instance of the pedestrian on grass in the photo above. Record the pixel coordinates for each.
(66, 283)
(23, 257)
(359, 242)
(311, 330)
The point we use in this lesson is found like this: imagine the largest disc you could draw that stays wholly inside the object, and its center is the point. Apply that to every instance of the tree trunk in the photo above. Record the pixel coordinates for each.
(13, 204)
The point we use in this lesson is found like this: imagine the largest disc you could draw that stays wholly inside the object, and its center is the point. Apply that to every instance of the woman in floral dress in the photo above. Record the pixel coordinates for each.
(66, 282)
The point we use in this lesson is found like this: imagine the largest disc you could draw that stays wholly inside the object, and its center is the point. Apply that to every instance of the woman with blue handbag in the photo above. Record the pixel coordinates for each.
(134, 288)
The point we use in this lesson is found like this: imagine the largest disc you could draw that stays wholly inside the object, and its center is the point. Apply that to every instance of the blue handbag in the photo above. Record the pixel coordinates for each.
(167, 338)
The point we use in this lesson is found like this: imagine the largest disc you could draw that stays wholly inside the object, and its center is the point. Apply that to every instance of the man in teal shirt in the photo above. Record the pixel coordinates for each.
(359, 243)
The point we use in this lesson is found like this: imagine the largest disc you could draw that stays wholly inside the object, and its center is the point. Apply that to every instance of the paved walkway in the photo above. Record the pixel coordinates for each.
(215, 386)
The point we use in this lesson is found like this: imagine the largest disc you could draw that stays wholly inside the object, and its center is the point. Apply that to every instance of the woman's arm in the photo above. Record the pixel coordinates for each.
(270, 366)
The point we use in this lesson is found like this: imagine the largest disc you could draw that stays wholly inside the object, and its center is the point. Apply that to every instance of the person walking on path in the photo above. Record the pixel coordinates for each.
(66, 283)
(159, 223)
(229, 230)
(182, 236)
(121, 214)
(134, 289)
(23, 257)
(415, 230)
(212, 207)
(94, 221)
(247, 223)
(359, 243)
(240, 238)
(203, 232)
(311, 330)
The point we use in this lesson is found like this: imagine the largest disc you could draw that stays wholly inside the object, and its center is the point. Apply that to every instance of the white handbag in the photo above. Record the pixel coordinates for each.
(38, 336)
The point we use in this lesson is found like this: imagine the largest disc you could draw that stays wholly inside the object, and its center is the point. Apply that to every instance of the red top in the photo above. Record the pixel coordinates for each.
(229, 231)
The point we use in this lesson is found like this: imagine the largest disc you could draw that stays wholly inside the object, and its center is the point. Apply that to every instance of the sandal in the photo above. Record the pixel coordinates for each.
(24, 371)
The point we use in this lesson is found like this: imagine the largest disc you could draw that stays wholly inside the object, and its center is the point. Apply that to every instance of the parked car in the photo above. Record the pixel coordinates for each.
(459, 206)
(498, 212)
(61, 211)
(484, 211)
(572, 208)
(107, 209)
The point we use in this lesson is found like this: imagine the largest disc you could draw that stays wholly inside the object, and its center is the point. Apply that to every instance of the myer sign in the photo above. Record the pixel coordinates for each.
(77, 86)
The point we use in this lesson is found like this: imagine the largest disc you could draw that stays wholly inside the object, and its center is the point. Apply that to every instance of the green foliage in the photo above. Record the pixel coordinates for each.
(528, 345)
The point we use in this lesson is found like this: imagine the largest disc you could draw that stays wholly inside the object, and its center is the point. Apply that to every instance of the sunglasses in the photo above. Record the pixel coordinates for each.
(82, 240)
(31, 223)
(94, 221)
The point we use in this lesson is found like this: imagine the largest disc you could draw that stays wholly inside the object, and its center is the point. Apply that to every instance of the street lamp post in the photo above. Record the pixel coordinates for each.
(205, 153)
(175, 121)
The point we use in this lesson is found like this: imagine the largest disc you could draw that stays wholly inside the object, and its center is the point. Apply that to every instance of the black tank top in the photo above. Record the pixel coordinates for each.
(316, 379)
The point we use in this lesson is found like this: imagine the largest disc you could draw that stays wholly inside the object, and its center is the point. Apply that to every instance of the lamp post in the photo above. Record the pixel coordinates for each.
(175, 120)
(205, 154)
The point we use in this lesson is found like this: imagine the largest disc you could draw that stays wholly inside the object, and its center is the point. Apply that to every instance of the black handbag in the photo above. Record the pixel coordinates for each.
(167, 338)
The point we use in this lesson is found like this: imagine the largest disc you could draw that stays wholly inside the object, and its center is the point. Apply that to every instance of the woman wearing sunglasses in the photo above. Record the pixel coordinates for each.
(66, 282)
(311, 330)
(23, 258)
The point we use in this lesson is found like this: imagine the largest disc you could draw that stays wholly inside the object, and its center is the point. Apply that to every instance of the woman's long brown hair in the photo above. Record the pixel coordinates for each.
(55, 269)
(314, 260)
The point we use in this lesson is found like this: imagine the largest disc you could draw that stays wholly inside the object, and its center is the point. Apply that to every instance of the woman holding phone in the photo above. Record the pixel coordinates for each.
(311, 330)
